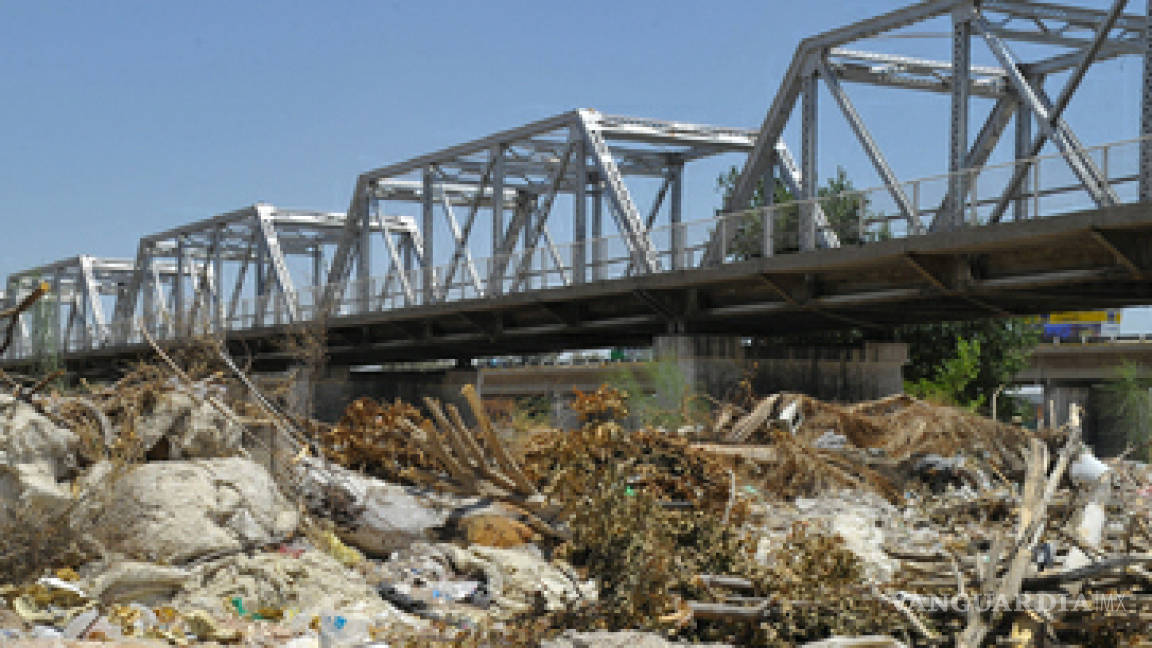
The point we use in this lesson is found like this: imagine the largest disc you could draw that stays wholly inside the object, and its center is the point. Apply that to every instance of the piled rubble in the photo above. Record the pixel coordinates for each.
(181, 504)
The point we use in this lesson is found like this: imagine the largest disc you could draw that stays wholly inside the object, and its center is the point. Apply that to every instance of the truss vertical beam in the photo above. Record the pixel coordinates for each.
(1023, 148)
(628, 219)
(598, 231)
(767, 211)
(497, 164)
(1146, 112)
(178, 285)
(80, 304)
(363, 254)
(57, 325)
(218, 275)
(427, 227)
(580, 206)
(883, 169)
(676, 215)
(809, 138)
(151, 299)
(317, 266)
(958, 132)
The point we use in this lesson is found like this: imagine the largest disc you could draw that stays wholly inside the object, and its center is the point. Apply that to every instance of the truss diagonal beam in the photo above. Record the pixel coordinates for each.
(93, 297)
(271, 244)
(868, 143)
(394, 255)
(1049, 120)
(460, 242)
(628, 218)
(460, 251)
(539, 216)
(238, 289)
(658, 200)
(989, 135)
(125, 306)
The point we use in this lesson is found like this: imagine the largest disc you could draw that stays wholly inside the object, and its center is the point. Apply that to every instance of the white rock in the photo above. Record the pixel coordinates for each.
(1087, 468)
(1090, 530)
(176, 511)
(35, 455)
(189, 430)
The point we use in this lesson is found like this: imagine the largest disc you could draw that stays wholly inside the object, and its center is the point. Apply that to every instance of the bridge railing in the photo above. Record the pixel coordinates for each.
(1048, 187)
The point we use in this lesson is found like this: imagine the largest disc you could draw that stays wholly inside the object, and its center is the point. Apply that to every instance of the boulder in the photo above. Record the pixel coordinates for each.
(35, 455)
(177, 511)
(180, 428)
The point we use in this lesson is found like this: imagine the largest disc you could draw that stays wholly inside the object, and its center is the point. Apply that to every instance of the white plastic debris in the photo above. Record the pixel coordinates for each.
(1087, 468)
(1090, 531)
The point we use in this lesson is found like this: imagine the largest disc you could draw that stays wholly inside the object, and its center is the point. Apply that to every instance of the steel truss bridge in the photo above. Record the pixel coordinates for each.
(569, 258)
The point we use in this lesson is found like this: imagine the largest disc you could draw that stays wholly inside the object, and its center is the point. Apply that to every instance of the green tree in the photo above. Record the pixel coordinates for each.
(1128, 398)
(951, 378)
(842, 204)
(659, 394)
(1002, 347)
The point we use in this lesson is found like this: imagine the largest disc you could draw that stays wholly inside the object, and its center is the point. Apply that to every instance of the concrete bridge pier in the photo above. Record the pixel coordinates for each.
(711, 364)
(714, 365)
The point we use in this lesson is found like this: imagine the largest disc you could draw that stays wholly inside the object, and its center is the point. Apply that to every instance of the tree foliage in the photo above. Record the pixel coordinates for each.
(951, 378)
(1128, 397)
(844, 206)
(1001, 347)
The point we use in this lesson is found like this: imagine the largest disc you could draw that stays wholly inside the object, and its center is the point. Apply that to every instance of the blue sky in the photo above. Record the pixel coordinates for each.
(124, 118)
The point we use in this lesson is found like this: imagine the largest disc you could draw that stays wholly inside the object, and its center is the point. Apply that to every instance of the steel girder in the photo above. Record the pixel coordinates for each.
(188, 264)
(1077, 36)
(581, 153)
(80, 287)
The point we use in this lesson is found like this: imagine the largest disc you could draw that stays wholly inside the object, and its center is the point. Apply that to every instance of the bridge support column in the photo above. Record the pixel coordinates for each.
(708, 364)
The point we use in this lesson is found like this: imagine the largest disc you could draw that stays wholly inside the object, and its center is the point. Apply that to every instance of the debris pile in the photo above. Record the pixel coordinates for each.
(181, 504)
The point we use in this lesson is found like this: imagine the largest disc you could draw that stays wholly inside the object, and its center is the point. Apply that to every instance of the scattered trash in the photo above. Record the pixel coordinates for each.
(181, 505)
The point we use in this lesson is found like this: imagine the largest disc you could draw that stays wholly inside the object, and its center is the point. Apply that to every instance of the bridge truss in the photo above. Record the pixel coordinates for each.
(523, 210)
